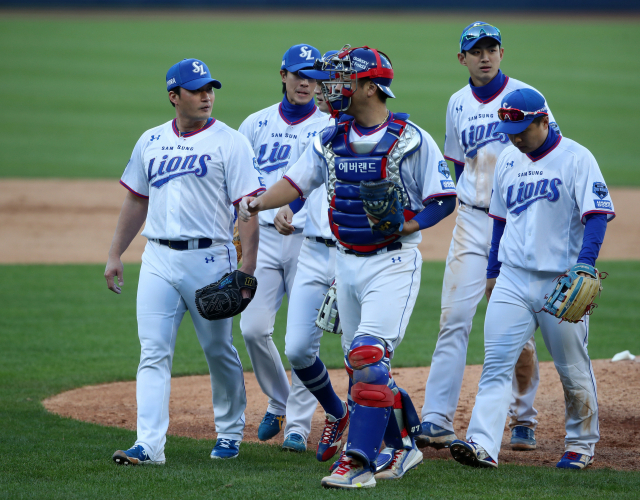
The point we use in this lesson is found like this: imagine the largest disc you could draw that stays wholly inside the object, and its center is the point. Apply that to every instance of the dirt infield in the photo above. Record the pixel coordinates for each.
(72, 221)
(191, 411)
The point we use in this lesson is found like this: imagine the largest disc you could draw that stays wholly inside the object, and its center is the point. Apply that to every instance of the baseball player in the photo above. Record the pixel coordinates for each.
(473, 144)
(377, 264)
(182, 178)
(314, 275)
(278, 135)
(550, 207)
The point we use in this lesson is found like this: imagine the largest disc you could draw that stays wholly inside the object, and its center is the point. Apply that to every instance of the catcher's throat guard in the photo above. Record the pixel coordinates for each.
(223, 299)
(328, 317)
(573, 295)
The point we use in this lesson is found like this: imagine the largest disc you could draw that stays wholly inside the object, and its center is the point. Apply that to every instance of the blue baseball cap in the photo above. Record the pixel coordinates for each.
(318, 72)
(477, 31)
(527, 100)
(190, 74)
(302, 56)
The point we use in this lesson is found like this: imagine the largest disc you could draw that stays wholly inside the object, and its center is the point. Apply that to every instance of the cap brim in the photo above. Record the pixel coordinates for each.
(509, 127)
(314, 74)
(386, 90)
(201, 82)
(297, 67)
(470, 43)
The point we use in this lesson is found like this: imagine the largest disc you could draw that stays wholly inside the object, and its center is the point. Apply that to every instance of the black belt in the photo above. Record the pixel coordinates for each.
(329, 243)
(390, 248)
(485, 210)
(184, 245)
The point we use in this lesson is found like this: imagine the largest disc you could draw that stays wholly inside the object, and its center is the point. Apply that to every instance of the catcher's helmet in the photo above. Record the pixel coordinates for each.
(346, 67)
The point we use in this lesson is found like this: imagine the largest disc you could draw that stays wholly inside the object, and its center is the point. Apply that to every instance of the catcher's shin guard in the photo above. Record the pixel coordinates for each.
(373, 398)
(404, 423)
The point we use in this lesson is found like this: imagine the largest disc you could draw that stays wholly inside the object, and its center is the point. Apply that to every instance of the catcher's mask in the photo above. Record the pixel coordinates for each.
(344, 69)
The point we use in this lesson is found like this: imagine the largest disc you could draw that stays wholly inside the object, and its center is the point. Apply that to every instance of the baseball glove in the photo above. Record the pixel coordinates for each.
(574, 294)
(383, 201)
(236, 242)
(223, 299)
(328, 317)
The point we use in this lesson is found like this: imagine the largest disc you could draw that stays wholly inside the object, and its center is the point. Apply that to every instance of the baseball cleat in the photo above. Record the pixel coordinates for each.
(384, 459)
(331, 435)
(523, 438)
(435, 436)
(403, 461)
(349, 473)
(134, 456)
(471, 454)
(294, 442)
(573, 460)
(270, 426)
(226, 448)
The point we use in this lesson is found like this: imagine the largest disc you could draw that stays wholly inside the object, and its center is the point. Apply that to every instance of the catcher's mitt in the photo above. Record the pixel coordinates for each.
(223, 299)
(383, 201)
(328, 317)
(574, 294)
(236, 242)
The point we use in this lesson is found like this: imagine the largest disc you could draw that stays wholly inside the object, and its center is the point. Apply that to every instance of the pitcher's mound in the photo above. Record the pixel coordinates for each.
(191, 411)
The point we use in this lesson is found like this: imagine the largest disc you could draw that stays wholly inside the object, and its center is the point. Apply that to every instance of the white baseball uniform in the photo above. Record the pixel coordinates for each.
(377, 293)
(191, 180)
(544, 203)
(314, 276)
(471, 141)
(277, 143)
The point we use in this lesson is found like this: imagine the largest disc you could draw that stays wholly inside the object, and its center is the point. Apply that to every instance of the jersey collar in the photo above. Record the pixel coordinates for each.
(491, 90)
(292, 114)
(209, 123)
(360, 130)
(550, 143)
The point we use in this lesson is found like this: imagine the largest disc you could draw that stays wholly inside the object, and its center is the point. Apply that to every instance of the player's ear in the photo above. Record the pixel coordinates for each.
(462, 58)
(173, 97)
(283, 74)
(501, 52)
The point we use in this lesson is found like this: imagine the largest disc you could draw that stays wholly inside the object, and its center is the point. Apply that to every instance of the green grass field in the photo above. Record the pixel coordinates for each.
(61, 329)
(80, 91)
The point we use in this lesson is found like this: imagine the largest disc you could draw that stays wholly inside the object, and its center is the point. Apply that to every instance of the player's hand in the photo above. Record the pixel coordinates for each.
(248, 207)
(491, 283)
(283, 219)
(114, 268)
(246, 293)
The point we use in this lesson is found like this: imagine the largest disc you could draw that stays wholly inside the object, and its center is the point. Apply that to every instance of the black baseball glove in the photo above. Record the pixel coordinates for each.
(223, 299)
(383, 200)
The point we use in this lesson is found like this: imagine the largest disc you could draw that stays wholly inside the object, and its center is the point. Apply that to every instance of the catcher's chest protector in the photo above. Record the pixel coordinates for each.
(346, 169)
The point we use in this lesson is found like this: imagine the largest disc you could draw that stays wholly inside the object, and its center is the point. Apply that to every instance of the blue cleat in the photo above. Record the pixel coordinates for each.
(270, 426)
(471, 454)
(435, 436)
(226, 448)
(294, 442)
(134, 456)
(573, 460)
(523, 438)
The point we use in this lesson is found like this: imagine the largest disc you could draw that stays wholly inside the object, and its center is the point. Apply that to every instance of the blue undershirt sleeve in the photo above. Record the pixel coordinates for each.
(594, 229)
(459, 169)
(436, 210)
(493, 267)
(297, 204)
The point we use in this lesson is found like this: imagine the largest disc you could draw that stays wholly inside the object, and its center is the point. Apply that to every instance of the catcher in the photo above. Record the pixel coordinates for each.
(550, 207)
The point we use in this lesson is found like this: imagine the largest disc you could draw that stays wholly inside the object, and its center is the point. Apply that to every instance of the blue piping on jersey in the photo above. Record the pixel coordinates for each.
(293, 114)
(491, 90)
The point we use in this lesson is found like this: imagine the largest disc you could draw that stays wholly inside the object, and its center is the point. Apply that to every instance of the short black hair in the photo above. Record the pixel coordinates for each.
(538, 119)
(177, 91)
(284, 85)
(381, 95)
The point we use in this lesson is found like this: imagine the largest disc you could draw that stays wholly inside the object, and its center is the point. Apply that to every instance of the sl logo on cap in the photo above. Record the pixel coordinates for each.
(198, 68)
(306, 53)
